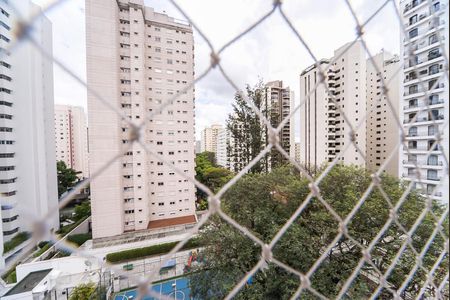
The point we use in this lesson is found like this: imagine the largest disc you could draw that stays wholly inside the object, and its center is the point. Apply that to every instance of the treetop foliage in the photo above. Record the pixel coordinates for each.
(264, 202)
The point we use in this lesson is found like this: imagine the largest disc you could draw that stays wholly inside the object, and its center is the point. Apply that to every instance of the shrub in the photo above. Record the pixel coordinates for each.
(43, 249)
(148, 251)
(79, 239)
(42, 244)
(15, 241)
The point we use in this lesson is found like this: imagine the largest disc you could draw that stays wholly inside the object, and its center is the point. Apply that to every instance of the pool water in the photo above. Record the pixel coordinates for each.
(175, 289)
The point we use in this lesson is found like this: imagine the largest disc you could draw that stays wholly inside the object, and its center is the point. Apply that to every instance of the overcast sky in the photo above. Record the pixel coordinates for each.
(271, 51)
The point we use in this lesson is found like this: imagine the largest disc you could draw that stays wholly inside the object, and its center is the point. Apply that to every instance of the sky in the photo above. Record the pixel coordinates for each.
(269, 52)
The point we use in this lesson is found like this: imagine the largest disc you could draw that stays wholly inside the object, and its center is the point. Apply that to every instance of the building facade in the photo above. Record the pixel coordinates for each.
(383, 133)
(324, 132)
(71, 138)
(356, 86)
(297, 151)
(425, 106)
(137, 59)
(28, 184)
(277, 103)
(209, 138)
(224, 142)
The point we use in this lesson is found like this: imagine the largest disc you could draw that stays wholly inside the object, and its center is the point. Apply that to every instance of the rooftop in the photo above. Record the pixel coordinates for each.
(28, 283)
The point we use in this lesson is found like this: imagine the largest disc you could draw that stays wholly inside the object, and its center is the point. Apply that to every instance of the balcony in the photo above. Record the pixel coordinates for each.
(417, 120)
(434, 55)
(421, 148)
(423, 163)
(435, 102)
(412, 4)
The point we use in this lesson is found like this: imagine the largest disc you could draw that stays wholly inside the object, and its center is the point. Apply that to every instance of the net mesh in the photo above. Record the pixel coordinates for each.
(22, 33)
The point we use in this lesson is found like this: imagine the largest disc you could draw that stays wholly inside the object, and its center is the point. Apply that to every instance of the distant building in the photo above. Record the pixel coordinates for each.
(137, 59)
(356, 87)
(324, 134)
(28, 181)
(297, 150)
(278, 102)
(209, 138)
(224, 142)
(383, 133)
(198, 147)
(71, 138)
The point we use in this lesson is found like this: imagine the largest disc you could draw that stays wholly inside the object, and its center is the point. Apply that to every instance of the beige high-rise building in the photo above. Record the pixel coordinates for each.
(356, 86)
(324, 133)
(138, 59)
(383, 133)
(209, 138)
(71, 138)
(278, 102)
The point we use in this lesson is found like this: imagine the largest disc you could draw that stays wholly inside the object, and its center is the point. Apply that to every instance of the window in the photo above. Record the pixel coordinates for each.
(432, 130)
(413, 20)
(432, 83)
(433, 99)
(430, 188)
(413, 33)
(413, 89)
(432, 54)
(412, 144)
(433, 160)
(412, 103)
(412, 158)
(432, 39)
(432, 175)
(435, 7)
(433, 69)
(412, 131)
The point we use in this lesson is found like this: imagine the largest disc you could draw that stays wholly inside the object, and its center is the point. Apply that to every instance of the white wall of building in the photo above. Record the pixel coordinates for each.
(34, 192)
(427, 29)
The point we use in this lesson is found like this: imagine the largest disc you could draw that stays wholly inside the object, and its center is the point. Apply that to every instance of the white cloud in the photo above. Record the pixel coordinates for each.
(270, 51)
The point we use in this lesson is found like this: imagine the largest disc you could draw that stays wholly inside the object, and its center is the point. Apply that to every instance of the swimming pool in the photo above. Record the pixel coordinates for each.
(176, 289)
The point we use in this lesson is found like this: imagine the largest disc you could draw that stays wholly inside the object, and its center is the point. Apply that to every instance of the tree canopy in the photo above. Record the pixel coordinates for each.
(82, 291)
(264, 202)
(66, 177)
(210, 174)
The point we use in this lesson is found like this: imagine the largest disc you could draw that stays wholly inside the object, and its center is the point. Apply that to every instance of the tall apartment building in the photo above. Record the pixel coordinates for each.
(71, 138)
(383, 133)
(357, 87)
(209, 138)
(278, 103)
(324, 133)
(28, 184)
(137, 59)
(425, 107)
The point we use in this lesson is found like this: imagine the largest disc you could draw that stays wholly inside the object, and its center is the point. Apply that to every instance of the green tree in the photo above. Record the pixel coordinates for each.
(247, 129)
(210, 174)
(264, 202)
(82, 291)
(82, 210)
(66, 177)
